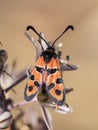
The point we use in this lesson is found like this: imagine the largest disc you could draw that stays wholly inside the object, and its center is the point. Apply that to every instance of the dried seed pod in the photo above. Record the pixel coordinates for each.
(5, 120)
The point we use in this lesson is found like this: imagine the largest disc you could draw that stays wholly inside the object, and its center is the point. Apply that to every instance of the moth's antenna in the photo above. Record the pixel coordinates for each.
(32, 28)
(67, 28)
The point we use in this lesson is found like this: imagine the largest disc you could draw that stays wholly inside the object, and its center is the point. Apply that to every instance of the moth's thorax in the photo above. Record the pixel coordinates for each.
(48, 54)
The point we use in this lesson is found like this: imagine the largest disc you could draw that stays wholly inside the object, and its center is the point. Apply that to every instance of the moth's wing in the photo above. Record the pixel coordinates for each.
(54, 83)
(34, 83)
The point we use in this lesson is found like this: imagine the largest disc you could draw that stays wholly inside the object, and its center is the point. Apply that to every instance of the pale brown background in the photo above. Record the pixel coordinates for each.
(51, 17)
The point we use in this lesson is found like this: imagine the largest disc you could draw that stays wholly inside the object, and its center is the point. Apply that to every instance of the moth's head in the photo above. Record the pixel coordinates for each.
(50, 47)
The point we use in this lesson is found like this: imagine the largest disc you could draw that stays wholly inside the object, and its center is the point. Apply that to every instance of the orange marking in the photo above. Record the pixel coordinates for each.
(37, 76)
(53, 77)
(30, 82)
(45, 76)
(40, 62)
(54, 63)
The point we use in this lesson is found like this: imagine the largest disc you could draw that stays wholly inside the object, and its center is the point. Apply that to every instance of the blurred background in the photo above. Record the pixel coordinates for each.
(51, 18)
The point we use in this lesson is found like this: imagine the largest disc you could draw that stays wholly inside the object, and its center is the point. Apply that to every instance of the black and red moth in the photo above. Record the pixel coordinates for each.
(46, 75)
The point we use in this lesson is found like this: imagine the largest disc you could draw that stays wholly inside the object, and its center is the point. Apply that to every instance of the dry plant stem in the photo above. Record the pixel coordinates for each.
(34, 43)
(42, 42)
(19, 104)
(30, 38)
(47, 117)
(20, 77)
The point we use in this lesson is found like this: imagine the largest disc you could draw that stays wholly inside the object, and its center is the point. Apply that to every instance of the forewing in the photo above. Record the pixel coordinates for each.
(54, 84)
(35, 81)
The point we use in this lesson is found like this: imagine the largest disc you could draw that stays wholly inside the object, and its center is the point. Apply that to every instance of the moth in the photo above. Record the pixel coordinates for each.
(46, 76)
